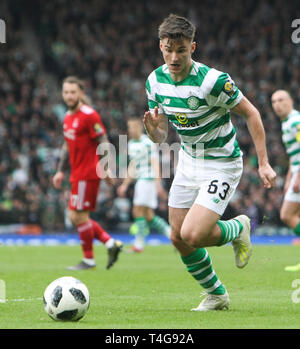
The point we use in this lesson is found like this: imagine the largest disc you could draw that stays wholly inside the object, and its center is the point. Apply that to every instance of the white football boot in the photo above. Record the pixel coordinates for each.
(213, 302)
(242, 244)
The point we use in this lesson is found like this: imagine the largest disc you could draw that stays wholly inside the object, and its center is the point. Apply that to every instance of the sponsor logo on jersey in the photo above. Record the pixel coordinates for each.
(298, 134)
(70, 134)
(229, 87)
(181, 118)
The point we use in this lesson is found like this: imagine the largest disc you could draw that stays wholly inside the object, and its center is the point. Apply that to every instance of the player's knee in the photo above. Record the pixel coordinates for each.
(77, 217)
(285, 217)
(190, 237)
(175, 237)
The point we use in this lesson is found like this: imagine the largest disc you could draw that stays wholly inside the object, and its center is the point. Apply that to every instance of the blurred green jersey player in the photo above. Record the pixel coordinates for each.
(144, 168)
(283, 107)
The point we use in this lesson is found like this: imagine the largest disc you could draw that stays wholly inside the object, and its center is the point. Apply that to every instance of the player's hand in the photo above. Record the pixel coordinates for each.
(267, 175)
(151, 121)
(57, 179)
(122, 190)
(109, 179)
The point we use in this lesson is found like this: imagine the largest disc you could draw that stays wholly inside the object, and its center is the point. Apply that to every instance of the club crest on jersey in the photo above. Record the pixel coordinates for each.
(75, 123)
(193, 102)
(181, 118)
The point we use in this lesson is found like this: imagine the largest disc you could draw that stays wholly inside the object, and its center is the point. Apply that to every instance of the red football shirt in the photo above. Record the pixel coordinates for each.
(81, 130)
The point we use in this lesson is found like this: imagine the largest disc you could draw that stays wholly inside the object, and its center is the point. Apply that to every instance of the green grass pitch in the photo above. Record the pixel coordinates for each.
(152, 289)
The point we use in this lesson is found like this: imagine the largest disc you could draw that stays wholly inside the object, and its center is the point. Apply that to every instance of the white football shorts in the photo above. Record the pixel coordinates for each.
(209, 183)
(145, 193)
(290, 195)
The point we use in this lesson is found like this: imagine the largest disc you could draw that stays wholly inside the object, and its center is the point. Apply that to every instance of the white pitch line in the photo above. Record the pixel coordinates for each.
(21, 300)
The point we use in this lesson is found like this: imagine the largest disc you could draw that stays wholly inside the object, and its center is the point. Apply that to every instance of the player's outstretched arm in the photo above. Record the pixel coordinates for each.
(156, 126)
(257, 132)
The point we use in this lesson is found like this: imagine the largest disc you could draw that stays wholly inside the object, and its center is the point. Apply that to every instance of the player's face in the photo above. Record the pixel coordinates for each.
(177, 54)
(282, 104)
(72, 95)
(135, 129)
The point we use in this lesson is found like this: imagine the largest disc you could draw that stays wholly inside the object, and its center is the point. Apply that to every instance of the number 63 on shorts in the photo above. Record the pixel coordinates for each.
(213, 191)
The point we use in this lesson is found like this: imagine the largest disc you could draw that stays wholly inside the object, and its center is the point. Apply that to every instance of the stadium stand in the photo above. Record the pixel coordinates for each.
(113, 46)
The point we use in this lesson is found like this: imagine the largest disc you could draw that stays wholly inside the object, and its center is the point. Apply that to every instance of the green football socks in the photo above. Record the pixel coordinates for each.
(160, 225)
(229, 230)
(297, 230)
(199, 265)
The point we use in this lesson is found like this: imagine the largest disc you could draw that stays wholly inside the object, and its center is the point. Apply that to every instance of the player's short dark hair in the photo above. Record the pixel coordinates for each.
(74, 80)
(175, 27)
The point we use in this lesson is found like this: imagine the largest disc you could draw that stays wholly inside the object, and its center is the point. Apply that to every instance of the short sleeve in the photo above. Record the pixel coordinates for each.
(95, 125)
(224, 93)
(152, 102)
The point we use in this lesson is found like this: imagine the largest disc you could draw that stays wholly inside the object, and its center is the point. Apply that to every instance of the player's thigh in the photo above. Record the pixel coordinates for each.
(199, 226)
(78, 217)
(289, 209)
(176, 218)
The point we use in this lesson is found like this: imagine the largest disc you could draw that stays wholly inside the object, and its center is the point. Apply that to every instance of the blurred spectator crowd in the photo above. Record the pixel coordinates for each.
(113, 46)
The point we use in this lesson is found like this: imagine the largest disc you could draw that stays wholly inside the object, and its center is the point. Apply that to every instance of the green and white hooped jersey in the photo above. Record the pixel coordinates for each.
(199, 108)
(291, 138)
(141, 152)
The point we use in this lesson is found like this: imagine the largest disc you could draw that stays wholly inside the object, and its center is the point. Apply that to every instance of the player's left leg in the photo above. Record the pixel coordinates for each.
(203, 228)
(289, 214)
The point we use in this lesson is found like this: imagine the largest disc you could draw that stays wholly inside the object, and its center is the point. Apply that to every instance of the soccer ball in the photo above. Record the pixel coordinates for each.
(66, 299)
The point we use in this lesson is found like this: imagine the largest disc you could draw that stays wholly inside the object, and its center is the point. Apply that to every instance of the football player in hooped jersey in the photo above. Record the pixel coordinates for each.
(83, 131)
(283, 107)
(197, 100)
(144, 163)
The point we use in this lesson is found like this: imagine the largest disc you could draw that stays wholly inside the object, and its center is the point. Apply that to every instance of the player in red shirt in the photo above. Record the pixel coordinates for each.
(83, 131)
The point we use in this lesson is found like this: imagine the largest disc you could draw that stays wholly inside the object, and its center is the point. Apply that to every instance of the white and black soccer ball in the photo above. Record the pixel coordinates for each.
(66, 299)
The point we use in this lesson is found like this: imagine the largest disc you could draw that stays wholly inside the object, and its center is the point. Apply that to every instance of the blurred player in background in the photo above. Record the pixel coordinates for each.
(144, 167)
(197, 100)
(283, 107)
(83, 132)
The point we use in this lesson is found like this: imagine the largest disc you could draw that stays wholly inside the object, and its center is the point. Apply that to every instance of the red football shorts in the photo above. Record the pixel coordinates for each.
(83, 195)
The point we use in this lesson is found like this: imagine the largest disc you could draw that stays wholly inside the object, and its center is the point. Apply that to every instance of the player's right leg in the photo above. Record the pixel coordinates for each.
(289, 214)
(83, 199)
